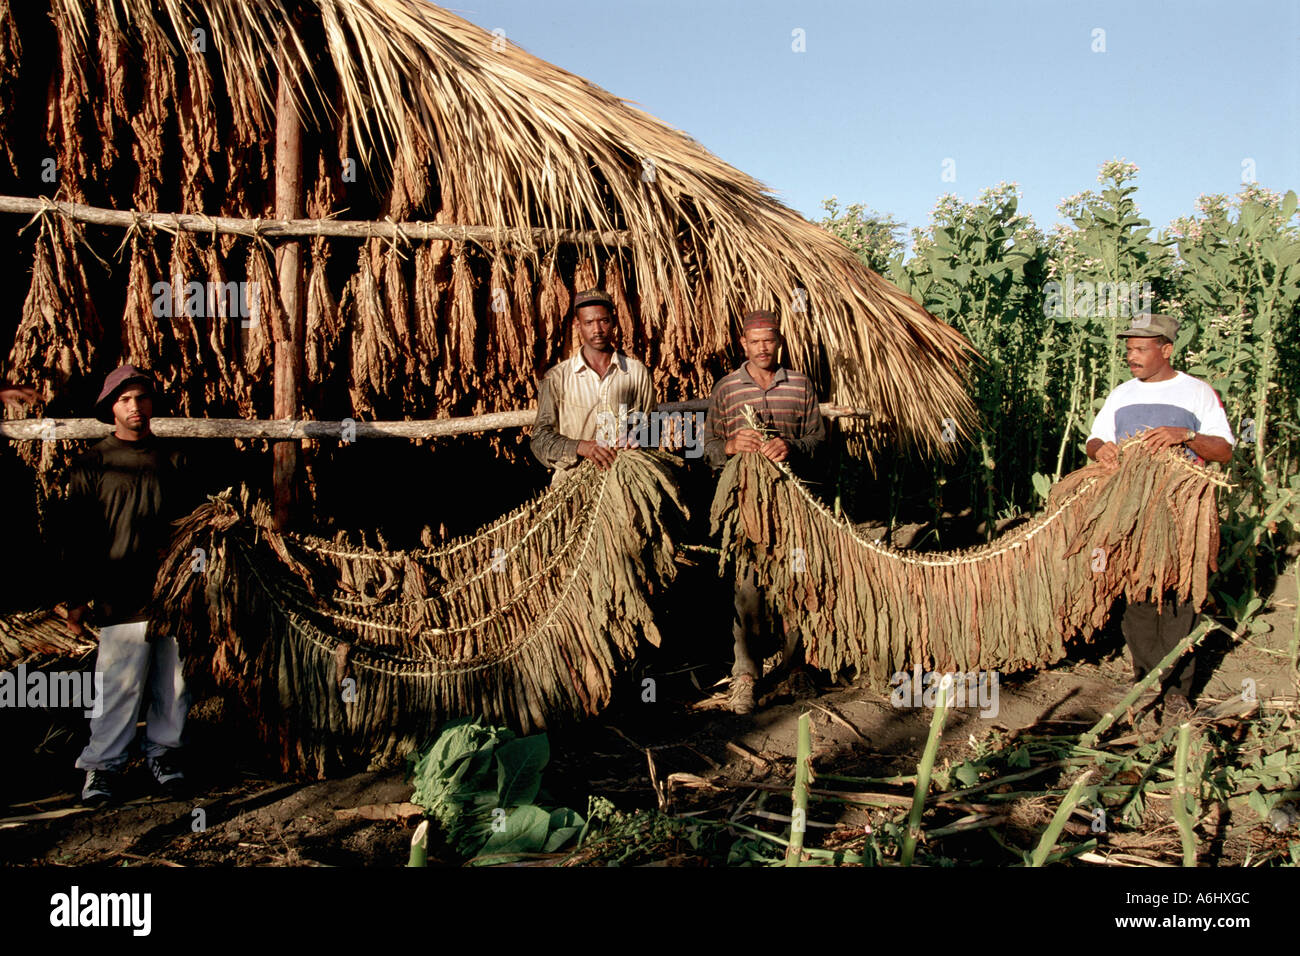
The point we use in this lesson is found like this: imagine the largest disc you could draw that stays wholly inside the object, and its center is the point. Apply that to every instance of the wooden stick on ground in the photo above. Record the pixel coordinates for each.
(655, 785)
(755, 759)
(833, 715)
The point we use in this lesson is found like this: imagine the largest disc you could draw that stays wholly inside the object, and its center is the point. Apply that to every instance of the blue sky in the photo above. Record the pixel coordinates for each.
(1010, 90)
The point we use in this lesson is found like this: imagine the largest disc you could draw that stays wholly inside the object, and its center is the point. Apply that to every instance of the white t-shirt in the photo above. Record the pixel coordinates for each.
(1181, 401)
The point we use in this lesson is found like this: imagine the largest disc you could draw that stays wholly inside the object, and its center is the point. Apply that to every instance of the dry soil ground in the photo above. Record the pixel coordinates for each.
(251, 817)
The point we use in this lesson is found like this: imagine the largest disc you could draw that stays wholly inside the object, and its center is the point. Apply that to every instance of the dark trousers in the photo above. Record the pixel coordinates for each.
(1152, 634)
(752, 631)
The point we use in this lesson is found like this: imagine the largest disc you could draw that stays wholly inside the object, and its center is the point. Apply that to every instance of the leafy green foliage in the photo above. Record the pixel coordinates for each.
(479, 782)
(871, 236)
(1043, 310)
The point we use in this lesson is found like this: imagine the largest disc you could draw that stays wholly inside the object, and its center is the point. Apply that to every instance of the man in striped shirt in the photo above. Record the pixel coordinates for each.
(785, 407)
(598, 386)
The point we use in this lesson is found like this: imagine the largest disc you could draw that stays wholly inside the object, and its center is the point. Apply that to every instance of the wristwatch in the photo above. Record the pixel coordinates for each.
(1191, 436)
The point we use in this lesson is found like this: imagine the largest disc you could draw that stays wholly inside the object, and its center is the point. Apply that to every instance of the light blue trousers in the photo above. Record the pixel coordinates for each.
(131, 664)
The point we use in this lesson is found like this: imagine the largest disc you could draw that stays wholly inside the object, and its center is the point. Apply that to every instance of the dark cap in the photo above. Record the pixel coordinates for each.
(1150, 326)
(117, 380)
(592, 297)
(760, 319)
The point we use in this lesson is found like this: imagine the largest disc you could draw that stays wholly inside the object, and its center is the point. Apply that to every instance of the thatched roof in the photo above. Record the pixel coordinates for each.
(446, 122)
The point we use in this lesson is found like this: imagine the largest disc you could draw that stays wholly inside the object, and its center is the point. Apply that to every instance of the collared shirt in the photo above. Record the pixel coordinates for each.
(571, 401)
(788, 406)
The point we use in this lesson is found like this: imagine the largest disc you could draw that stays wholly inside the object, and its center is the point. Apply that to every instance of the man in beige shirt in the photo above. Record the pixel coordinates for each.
(584, 403)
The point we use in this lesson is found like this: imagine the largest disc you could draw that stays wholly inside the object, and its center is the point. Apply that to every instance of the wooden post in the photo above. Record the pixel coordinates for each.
(288, 351)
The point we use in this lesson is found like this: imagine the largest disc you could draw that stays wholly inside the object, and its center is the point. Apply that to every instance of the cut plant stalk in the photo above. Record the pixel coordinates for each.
(802, 771)
(1181, 812)
(957, 795)
(923, 771)
(1053, 832)
(1186, 644)
(966, 826)
(420, 845)
(900, 779)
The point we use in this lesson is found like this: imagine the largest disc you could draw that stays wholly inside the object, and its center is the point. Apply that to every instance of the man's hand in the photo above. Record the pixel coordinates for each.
(1108, 456)
(776, 449)
(602, 455)
(1167, 436)
(746, 440)
(74, 618)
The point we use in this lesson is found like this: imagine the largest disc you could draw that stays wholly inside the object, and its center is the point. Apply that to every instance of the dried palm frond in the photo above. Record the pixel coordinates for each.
(434, 106)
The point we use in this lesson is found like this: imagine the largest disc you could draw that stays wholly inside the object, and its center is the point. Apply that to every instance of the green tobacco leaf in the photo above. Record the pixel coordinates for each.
(458, 768)
(520, 765)
(1042, 485)
(523, 830)
(565, 824)
(1288, 204)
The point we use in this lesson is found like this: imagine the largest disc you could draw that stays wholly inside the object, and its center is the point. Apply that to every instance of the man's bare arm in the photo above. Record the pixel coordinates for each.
(1212, 448)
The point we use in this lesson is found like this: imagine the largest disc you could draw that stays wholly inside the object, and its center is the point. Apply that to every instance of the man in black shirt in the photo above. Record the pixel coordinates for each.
(124, 493)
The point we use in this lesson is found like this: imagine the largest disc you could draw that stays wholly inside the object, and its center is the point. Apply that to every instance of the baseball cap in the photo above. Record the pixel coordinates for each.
(1150, 326)
(592, 297)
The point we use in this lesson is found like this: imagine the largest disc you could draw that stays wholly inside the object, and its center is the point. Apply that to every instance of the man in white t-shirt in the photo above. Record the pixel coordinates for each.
(1170, 408)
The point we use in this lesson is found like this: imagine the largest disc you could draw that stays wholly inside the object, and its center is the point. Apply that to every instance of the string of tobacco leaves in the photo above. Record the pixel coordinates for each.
(341, 652)
(1148, 529)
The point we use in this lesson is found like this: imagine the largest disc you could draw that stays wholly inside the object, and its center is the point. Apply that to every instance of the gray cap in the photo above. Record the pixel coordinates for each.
(1150, 326)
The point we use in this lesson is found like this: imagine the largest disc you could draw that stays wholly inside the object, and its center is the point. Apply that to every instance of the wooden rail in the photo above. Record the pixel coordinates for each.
(68, 429)
(306, 228)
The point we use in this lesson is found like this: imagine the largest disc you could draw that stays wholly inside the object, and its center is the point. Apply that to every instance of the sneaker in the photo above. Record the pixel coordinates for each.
(742, 694)
(169, 777)
(102, 788)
